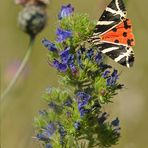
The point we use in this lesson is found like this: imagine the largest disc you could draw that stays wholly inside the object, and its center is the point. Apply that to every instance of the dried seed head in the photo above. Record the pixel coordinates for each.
(32, 19)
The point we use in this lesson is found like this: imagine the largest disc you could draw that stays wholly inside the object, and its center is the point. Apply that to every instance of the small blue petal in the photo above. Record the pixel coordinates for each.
(62, 35)
(49, 45)
(105, 74)
(82, 99)
(98, 58)
(60, 66)
(65, 55)
(56, 63)
(115, 122)
(73, 68)
(65, 11)
(113, 78)
(50, 129)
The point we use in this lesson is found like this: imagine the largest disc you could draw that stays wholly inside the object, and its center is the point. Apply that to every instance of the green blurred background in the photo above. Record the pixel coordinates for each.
(24, 101)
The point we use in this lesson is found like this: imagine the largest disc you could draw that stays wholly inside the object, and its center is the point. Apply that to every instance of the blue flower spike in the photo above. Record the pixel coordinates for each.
(75, 108)
(66, 11)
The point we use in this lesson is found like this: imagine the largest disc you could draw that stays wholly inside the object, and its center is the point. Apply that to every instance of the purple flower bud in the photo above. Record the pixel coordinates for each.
(62, 35)
(113, 78)
(60, 66)
(42, 137)
(65, 11)
(73, 68)
(49, 45)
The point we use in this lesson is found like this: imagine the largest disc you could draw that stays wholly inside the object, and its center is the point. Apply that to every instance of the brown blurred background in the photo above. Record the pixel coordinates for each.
(24, 100)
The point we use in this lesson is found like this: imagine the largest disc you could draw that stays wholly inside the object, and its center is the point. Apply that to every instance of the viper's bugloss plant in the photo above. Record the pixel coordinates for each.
(74, 115)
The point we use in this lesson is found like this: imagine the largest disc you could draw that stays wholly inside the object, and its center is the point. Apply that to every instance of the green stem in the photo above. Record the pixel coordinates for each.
(20, 69)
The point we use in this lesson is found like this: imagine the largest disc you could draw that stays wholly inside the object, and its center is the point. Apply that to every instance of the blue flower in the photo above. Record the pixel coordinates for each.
(62, 35)
(50, 129)
(73, 68)
(115, 122)
(82, 110)
(60, 66)
(49, 45)
(65, 11)
(105, 73)
(102, 118)
(98, 58)
(82, 99)
(48, 145)
(42, 137)
(113, 78)
(65, 55)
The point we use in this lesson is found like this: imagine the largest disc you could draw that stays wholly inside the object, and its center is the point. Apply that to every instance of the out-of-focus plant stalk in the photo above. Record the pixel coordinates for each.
(20, 69)
(32, 20)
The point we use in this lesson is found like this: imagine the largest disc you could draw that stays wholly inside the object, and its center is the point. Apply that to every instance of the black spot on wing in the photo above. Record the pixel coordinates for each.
(116, 41)
(114, 29)
(126, 26)
(129, 42)
(125, 34)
